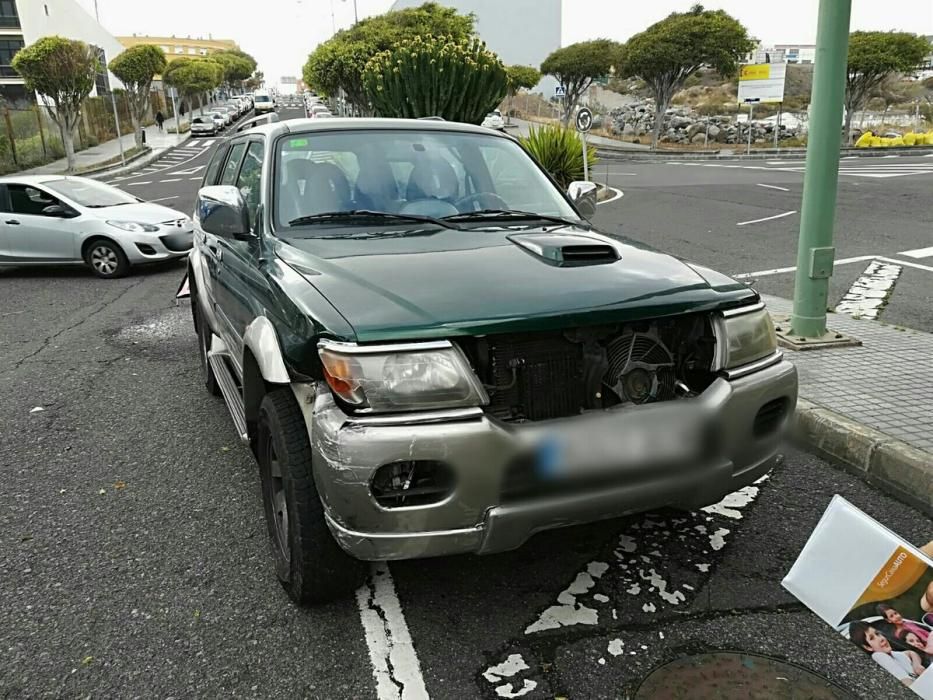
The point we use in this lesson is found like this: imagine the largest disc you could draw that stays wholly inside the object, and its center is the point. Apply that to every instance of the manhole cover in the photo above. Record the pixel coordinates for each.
(728, 675)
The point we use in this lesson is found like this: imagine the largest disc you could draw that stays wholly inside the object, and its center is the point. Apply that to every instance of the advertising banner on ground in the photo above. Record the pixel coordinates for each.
(874, 588)
(762, 82)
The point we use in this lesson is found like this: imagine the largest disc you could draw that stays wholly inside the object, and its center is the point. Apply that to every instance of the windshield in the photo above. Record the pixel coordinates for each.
(261, 98)
(424, 173)
(90, 193)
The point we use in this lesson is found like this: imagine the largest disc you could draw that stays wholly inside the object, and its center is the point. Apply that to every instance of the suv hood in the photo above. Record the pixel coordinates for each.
(431, 284)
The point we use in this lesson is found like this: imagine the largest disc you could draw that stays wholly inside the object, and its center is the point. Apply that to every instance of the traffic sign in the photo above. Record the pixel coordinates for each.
(559, 91)
(584, 120)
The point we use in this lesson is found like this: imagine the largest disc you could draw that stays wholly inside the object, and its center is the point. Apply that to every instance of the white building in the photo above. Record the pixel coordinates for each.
(797, 53)
(22, 22)
(521, 32)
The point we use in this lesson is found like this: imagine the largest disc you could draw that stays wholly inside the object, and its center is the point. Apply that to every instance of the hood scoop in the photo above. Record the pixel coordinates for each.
(567, 249)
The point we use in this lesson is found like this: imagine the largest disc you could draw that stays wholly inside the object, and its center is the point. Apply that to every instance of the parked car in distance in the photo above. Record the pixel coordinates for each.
(229, 113)
(317, 109)
(220, 120)
(50, 219)
(204, 126)
(431, 350)
(494, 120)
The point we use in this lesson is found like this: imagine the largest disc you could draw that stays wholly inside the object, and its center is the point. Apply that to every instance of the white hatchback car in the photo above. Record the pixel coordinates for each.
(51, 219)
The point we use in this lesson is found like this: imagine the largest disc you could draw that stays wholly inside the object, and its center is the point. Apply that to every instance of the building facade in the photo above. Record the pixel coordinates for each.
(524, 35)
(176, 47)
(22, 22)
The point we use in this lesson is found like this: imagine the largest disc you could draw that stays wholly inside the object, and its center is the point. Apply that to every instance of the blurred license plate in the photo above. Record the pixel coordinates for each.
(606, 443)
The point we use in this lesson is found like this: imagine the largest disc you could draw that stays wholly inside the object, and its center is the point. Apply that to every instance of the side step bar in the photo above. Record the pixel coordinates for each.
(228, 386)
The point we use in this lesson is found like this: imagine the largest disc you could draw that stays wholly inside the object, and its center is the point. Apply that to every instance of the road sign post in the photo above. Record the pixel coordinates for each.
(815, 250)
(584, 123)
(751, 113)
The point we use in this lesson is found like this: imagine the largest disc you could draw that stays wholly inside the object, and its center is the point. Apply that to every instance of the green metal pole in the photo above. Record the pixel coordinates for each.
(815, 252)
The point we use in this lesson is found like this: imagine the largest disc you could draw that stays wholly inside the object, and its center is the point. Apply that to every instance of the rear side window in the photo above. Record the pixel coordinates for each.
(213, 168)
(233, 164)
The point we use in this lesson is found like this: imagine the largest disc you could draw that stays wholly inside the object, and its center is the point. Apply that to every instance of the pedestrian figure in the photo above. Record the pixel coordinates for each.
(160, 119)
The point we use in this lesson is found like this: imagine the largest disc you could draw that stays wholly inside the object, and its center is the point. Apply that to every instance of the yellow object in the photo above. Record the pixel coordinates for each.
(758, 71)
(910, 139)
(864, 141)
(876, 141)
(899, 141)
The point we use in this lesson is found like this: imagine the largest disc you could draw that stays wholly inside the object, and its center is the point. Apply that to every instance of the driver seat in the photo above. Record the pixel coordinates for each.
(433, 178)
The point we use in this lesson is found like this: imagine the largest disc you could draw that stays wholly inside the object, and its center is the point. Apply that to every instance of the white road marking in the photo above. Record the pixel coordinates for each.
(162, 199)
(868, 295)
(172, 179)
(189, 171)
(918, 253)
(395, 665)
(194, 143)
(785, 270)
(569, 611)
(194, 178)
(915, 266)
(774, 187)
(508, 668)
(893, 155)
(134, 184)
(618, 195)
(767, 218)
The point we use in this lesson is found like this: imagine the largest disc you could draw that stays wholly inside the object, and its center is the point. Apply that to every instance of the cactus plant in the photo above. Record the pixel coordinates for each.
(436, 77)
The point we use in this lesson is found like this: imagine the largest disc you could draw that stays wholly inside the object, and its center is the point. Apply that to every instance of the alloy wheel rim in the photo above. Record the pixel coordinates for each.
(104, 260)
(279, 504)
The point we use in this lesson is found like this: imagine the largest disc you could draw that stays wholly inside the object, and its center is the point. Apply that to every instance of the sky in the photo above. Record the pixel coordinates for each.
(281, 33)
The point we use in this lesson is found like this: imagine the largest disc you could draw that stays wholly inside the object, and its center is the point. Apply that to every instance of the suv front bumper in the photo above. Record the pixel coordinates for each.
(347, 451)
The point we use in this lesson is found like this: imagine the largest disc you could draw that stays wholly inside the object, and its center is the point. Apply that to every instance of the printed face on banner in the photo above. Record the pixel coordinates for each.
(892, 621)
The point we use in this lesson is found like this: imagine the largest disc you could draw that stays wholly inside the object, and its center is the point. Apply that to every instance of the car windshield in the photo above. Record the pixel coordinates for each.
(90, 193)
(424, 173)
(262, 98)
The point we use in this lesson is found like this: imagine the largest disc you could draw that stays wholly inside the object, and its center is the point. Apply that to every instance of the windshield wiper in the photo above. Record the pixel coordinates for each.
(357, 214)
(503, 214)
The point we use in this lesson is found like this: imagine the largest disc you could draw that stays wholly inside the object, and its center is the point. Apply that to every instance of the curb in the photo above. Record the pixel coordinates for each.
(140, 161)
(105, 169)
(892, 465)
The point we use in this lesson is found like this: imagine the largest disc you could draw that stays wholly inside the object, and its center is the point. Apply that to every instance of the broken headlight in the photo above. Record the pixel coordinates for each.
(412, 377)
(749, 337)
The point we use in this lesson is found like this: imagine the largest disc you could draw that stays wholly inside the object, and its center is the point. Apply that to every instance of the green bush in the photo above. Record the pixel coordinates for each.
(560, 152)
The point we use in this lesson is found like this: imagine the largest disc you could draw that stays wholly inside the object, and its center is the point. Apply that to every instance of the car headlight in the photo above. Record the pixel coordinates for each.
(749, 337)
(134, 226)
(412, 377)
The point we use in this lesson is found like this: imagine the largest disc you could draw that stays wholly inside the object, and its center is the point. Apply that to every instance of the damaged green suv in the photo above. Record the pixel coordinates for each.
(431, 351)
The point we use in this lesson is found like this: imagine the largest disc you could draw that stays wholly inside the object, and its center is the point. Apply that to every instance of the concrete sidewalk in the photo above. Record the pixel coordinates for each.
(158, 142)
(870, 407)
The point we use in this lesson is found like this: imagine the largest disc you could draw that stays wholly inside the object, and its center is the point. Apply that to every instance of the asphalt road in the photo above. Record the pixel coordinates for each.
(742, 217)
(134, 559)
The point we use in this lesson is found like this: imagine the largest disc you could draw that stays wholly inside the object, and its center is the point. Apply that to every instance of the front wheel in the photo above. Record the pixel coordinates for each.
(309, 563)
(107, 259)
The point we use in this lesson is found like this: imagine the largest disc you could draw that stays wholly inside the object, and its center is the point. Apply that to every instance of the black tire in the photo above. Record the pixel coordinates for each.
(309, 563)
(106, 259)
(204, 340)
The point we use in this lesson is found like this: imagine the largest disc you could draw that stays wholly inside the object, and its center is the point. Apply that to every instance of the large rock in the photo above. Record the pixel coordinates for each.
(628, 130)
(698, 138)
(714, 132)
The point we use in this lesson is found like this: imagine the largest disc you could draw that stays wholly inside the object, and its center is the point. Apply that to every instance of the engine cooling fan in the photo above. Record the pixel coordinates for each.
(641, 368)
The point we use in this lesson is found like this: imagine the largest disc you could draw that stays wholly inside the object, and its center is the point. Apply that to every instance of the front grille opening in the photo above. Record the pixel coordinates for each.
(589, 254)
(769, 418)
(145, 249)
(412, 483)
(556, 374)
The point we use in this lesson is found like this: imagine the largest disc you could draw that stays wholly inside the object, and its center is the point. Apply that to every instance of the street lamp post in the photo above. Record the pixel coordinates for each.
(356, 15)
(815, 252)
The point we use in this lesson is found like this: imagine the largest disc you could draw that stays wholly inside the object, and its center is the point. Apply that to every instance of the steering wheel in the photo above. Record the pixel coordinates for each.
(485, 200)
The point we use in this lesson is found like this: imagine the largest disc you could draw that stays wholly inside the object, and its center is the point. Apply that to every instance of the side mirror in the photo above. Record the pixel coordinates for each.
(221, 210)
(56, 210)
(583, 195)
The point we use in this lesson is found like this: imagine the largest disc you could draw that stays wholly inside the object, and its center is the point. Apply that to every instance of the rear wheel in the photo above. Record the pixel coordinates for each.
(309, 563)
